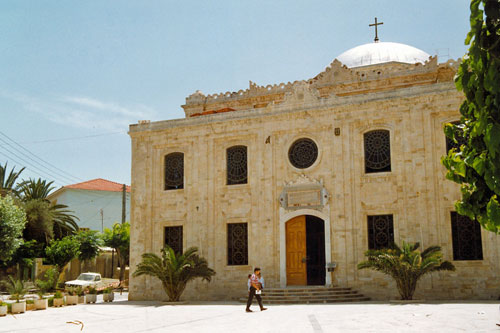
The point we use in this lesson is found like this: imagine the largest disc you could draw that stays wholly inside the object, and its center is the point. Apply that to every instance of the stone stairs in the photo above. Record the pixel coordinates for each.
(309, 295)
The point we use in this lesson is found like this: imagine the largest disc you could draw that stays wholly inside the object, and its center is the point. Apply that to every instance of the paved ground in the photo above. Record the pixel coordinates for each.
(123, 316)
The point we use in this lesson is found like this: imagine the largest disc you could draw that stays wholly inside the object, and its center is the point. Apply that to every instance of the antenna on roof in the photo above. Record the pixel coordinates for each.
(376, 30)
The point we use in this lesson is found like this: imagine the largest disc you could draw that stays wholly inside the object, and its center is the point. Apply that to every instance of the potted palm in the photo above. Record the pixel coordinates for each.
(30, 305)
(91, 296)
(406, 265)
(17, 291)
(41, 303)
(58, 299)
(71, 297)
(43, 287)
(81, 295)
(175, 270)
(108, 295)
(3, 309)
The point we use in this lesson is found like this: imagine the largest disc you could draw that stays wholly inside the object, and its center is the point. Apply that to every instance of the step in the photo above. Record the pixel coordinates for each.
(318, 288)
(309, 295)
(319, 301)
(270, 293)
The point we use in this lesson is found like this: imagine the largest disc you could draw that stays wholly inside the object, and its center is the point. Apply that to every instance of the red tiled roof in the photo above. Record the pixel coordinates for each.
(99, 184)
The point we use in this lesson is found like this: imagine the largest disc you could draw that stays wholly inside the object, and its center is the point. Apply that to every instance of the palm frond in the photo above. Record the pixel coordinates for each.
(174, 270)
(406, 264)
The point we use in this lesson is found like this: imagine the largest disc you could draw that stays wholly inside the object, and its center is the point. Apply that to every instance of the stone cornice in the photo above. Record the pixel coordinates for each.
(292, 103)
(335, 79)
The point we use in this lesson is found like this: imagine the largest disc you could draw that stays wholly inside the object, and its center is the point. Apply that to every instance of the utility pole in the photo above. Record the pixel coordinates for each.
(124, 202)
(102, 220)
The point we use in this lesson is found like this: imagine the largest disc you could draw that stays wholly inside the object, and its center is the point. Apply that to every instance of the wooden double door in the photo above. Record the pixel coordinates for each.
(305, 251)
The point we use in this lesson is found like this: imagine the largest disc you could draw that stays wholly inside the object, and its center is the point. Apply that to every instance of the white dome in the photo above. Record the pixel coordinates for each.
(376, 53)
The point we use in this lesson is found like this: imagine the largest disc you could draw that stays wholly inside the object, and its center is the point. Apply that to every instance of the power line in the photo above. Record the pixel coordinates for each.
(25, 163)
(60, 172)
(21, 165)
(73, 138)
(33, 167)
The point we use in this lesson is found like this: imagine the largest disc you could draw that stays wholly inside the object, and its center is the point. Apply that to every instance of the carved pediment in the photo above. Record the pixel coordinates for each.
(303, 192)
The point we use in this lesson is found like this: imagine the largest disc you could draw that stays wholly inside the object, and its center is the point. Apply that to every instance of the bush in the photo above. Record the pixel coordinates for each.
(58, 294)
(79, 291)
(12, 222)
(46, 285)
(71, 291)
(92, 290)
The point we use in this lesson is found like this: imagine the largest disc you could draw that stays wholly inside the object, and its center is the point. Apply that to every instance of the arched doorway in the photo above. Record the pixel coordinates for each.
(305, 250)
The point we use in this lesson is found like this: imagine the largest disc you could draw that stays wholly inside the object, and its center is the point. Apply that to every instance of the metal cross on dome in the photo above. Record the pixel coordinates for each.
(376, 30)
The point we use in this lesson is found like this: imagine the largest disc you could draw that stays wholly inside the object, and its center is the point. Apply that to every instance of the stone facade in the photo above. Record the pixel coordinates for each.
(334, 109)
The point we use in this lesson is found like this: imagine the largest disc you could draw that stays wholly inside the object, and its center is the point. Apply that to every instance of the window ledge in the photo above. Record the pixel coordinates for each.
(238, 267)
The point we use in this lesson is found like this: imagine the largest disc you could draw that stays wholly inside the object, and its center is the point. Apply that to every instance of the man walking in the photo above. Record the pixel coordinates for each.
(255, 290)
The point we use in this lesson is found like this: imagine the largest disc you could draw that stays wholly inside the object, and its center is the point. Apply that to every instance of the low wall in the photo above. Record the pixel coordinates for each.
(106, 264)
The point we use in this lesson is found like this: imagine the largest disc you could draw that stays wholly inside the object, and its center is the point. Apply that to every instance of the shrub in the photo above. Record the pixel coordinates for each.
(46, 285)
(92, 290)
(79, 291)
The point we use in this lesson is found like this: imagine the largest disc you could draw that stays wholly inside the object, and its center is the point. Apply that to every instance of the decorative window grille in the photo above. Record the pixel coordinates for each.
(377, 151)
(237, 165)
(173, 238)
(380, 231)
(237, 244)
(303, 153)
(466, 235)
(450, 144)
(174, 171)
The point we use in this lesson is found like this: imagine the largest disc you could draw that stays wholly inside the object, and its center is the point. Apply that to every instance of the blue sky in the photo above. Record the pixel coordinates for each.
(75, 74)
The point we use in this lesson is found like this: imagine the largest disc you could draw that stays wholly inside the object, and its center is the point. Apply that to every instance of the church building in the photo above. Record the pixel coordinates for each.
(303, 177)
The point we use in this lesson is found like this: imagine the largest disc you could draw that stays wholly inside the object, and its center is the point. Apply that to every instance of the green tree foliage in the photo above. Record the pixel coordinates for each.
(12, 222)
(33, 189)
(49, 280)
(90, 242)
(40, 226)
(8, 180)
(406, 265)
(476, 164)
(56, 221)
(61, 252)
(175, 270)
(26, 253)
(119, 239)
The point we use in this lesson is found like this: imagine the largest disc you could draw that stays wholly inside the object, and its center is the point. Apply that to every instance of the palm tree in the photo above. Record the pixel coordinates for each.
(174, 270)
(8, 182)
(36, 189)
(406, 265)
(63, 221)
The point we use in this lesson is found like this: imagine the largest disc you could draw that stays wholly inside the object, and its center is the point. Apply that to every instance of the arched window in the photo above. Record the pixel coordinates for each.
(303, 153)
(377, 151)
(237, 170)
(174, 171)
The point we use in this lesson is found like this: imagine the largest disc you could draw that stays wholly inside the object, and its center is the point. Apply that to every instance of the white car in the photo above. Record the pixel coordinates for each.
(85, 280)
